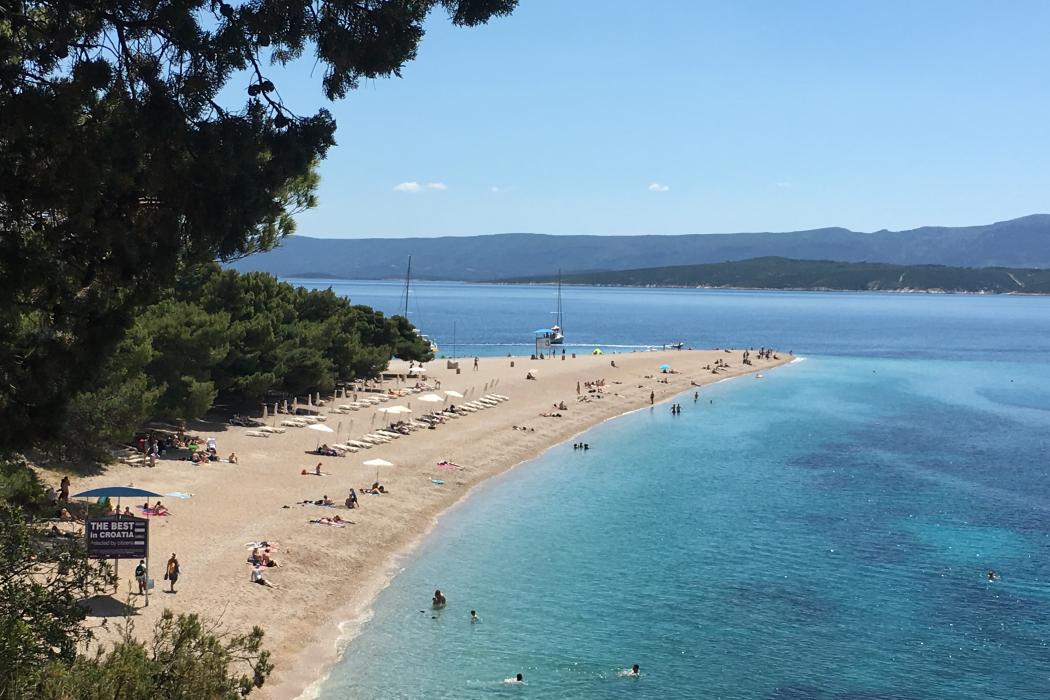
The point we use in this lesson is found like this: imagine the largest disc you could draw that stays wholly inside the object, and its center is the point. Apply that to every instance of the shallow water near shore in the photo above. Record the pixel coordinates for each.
(824, 532)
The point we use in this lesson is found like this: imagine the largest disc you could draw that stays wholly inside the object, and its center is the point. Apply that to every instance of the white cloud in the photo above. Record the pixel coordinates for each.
(783, 185)
(657, 187)
(413, 186)
(494, 189)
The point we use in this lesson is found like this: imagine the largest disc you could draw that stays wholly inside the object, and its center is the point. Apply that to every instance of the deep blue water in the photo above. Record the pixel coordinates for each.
(821, 533)
(497, 319)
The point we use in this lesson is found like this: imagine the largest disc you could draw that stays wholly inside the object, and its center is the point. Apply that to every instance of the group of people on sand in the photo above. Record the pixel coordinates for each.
(718, 366)
(260, 560)
(157, 508)
(438, 602)
(595, 386)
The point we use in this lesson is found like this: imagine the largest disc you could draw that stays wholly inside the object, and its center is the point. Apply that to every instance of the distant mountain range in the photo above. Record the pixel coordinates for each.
(1019, 243)
(782, 273)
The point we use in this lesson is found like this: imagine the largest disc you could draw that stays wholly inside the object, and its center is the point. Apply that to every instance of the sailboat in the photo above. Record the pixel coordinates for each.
(404, 306)
(557, 337)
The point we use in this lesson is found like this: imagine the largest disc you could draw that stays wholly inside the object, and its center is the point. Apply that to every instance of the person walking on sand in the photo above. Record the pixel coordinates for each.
(652, 397)
(63, 489)
(140, 576)
(171, 572)
(475, 364)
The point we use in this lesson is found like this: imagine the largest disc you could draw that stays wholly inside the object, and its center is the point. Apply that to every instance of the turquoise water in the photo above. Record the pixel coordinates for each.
(820, 533)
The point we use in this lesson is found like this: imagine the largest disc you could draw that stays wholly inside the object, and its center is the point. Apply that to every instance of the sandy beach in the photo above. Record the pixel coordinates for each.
(329, 575)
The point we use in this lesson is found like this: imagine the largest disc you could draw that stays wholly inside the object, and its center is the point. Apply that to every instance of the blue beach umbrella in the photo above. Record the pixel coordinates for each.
(664, 368)
(114, 492)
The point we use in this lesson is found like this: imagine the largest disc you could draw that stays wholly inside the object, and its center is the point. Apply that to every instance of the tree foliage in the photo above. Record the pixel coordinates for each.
(121, 170)
(186, 658)
(232, 338)
(41, 580)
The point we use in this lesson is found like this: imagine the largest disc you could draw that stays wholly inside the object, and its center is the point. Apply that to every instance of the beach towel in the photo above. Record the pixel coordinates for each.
(179, 494)
(437, 481)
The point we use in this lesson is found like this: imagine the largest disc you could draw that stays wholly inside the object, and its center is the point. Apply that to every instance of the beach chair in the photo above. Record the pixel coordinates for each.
(257, 433)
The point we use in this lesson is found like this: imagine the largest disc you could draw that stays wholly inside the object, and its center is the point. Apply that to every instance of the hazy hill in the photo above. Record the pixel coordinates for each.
(1023, 242)
(782, 273)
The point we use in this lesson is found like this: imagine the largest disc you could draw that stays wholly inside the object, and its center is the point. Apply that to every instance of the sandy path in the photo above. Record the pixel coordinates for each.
(328, 574)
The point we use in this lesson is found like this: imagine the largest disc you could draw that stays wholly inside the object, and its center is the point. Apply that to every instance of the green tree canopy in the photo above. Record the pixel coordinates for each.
(121, 171)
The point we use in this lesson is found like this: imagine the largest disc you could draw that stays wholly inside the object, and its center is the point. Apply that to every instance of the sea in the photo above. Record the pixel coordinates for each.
(825, 532)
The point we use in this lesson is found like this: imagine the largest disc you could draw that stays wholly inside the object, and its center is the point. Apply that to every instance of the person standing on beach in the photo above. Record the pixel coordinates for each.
(652, 397)
(475, 364)
(63, 489)
(171, 572)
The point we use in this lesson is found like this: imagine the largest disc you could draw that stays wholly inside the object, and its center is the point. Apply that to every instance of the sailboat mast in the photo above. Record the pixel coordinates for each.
(408, 281)
(559, 298)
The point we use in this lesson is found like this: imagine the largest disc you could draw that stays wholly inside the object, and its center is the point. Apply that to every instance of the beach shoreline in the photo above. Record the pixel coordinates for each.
(327, 589)
(357, 614)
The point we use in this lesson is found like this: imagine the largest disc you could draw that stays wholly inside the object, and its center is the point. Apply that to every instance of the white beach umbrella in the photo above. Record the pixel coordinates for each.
(455, 394)
(320, 427)
(265, 414)
(377, 463)
(430, 398)
(395, 409)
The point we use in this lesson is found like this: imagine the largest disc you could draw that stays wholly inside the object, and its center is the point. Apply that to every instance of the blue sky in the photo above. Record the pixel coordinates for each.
(624, 117)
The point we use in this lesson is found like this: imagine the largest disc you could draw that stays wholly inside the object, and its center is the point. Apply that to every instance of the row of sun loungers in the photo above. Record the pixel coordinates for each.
(385, 435)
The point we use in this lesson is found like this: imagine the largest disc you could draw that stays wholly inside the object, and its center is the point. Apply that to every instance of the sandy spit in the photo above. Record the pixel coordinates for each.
(329, 576)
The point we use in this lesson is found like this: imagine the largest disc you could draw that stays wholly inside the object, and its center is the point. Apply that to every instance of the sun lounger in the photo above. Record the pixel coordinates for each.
(257, 433)
(293, 423)
(359, 444)
(344, 448)
(270, 429)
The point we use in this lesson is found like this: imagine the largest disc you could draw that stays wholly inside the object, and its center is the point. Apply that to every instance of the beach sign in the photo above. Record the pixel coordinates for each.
(117, 537)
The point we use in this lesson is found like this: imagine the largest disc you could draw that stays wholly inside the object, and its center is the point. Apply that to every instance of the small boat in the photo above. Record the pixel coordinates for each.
(677, 346)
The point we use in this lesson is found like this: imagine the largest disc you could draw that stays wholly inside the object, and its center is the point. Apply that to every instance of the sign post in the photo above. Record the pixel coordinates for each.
(119, 537)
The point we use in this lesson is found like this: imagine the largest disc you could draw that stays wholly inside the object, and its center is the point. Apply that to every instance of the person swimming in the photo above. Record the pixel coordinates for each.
(519, 678)
(439, 599)
(474, 617)
(992, 576)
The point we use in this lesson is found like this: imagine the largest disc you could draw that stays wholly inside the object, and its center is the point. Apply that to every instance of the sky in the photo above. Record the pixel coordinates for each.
(669, 117)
